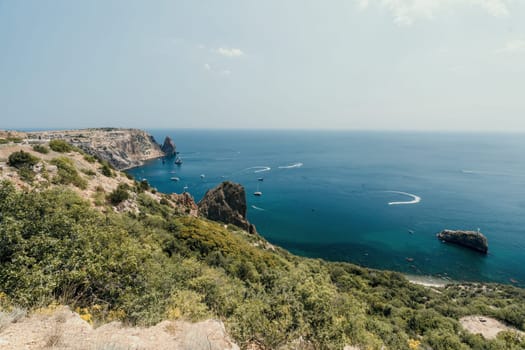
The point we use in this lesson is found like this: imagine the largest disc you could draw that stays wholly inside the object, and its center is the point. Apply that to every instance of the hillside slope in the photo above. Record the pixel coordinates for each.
(116, 250)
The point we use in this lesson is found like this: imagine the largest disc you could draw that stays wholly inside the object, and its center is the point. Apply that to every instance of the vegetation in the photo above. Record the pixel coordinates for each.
(119, 195)
(106, 169)
(60, 146)
(143, 268)
(24, 162)
(10, 139)
(21, 159)
(90, 158)
(67, 173)
(41, 149)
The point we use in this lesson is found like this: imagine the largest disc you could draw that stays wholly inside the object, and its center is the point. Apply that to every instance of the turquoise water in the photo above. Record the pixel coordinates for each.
(326, 194)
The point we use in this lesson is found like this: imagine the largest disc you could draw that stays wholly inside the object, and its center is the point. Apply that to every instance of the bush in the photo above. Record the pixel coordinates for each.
(119, 195)
(67, 173)
(88, 172)
(41, 149)
(142, 186)
(89, 158)
(106, 169)
(60, 146)
(22, 159)
(3, 141)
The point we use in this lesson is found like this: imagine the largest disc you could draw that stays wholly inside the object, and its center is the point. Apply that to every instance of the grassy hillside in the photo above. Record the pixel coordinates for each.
(154, 263)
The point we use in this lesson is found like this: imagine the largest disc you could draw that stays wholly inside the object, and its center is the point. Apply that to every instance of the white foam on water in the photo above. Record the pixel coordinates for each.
(257, 208)
(291, 166)
(259, 169)
(415, 199)
(488, 173)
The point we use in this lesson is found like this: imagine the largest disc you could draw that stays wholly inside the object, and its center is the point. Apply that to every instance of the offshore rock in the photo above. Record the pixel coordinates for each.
(469, 239)
(226, 203)
(168, 147)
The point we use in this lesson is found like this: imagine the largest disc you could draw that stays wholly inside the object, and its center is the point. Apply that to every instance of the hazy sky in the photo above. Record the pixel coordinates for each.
(355, 64)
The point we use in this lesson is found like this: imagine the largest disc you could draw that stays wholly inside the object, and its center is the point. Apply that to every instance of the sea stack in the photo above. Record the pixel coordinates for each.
(168, 147)
(226, 203)
(469, 239)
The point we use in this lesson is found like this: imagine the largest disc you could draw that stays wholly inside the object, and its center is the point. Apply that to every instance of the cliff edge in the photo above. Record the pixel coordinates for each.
(122, 148)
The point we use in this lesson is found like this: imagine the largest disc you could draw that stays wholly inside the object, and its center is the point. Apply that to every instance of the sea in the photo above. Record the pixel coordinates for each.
(375, 199)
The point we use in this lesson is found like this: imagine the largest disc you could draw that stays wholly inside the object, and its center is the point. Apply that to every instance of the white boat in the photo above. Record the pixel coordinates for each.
(178, 161)
(257, 193)
(203, 176)
(175, 178)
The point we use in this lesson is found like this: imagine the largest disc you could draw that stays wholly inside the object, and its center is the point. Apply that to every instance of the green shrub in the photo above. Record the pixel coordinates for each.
(142, 185)
(22, 159)
(41, 149)
(89, 158)
(88, 172)
(119, 195)
(106, 169)
(3, 141)
(67, 173)
(60, 146)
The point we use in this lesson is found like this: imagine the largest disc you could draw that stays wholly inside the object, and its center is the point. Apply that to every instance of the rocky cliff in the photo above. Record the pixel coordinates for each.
(226, 203)
(122, 148)
(469, 239)
(168, 147)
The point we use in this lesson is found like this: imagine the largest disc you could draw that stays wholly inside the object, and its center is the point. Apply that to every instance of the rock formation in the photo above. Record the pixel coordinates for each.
(168, 147)
(470, 239)
(122, 148)
(185, 203)
(226, 203)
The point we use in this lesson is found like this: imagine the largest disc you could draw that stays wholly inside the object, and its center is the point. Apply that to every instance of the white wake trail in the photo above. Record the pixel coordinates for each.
(415, 199)
(291, 166)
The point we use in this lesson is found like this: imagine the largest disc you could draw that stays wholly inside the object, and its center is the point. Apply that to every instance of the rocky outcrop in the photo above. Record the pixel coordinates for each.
(168, 147)
(469, 239)
(185, 203)
(226, 203)
(122, 148)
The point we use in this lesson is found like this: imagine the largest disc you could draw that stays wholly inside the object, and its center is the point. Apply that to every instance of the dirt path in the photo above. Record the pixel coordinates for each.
(486, 326)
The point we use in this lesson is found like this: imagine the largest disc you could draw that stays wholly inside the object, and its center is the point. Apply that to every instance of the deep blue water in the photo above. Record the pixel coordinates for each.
(335, 205)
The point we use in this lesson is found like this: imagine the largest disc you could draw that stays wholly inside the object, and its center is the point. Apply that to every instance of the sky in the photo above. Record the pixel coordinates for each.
(438, 65)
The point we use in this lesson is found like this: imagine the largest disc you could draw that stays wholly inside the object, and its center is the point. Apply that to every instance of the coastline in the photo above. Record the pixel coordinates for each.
(429, 281)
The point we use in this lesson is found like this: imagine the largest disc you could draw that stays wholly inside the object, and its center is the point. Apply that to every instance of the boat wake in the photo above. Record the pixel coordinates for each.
(257, 208)
(291, 166)
(482, 172)
(415, 199)
(259, 169)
